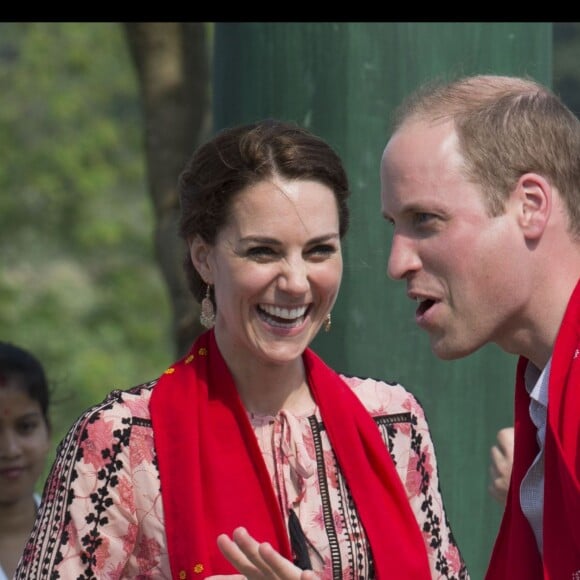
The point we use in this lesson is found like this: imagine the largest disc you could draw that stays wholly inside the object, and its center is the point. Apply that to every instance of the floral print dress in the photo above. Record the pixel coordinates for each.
(102, 513)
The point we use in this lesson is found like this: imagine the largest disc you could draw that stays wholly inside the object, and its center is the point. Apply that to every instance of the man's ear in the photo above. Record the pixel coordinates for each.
(200, 253)
(535, 198)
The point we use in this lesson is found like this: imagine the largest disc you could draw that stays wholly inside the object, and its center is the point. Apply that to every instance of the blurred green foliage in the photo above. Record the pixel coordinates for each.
(79, 286)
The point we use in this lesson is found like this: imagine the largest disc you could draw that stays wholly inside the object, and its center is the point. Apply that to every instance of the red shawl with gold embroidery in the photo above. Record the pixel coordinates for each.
(515, 555)
(213, 476)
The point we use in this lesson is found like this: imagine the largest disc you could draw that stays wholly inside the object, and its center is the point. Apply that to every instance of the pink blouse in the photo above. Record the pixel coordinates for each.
(102, 514)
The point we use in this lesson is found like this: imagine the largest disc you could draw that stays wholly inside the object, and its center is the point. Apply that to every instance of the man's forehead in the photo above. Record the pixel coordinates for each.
(422, 148)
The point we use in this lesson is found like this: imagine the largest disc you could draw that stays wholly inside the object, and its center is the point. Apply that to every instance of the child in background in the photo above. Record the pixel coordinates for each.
(24, 446)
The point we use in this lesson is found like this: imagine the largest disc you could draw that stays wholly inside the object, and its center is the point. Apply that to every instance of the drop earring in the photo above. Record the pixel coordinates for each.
(207, 316)
(327, 322)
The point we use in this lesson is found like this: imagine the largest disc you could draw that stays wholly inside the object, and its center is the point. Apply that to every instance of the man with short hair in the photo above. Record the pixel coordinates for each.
(481, 181)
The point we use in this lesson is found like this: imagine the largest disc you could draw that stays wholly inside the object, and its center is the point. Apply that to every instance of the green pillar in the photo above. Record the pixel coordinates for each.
(342, 81)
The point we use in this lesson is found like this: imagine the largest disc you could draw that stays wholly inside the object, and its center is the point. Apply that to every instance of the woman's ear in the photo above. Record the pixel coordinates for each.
(535, 197)
(200, 252)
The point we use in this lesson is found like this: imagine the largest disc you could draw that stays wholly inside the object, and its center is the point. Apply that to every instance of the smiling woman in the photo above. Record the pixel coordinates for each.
(251, 428)
(24, 445)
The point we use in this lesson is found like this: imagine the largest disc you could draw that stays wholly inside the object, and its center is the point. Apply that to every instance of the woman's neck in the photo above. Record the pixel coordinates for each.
(266, 386)
(266, 389)
(18, 515)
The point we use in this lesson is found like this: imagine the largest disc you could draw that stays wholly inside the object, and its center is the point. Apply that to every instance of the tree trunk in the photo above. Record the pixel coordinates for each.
(172, 60)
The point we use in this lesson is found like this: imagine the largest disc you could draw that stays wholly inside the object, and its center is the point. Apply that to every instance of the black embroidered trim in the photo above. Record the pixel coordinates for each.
(325, 500)
(381, 420)
(392, 419)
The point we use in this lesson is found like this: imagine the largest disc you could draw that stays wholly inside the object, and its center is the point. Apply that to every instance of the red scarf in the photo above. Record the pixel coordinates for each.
(515, 555)
(213, 476)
